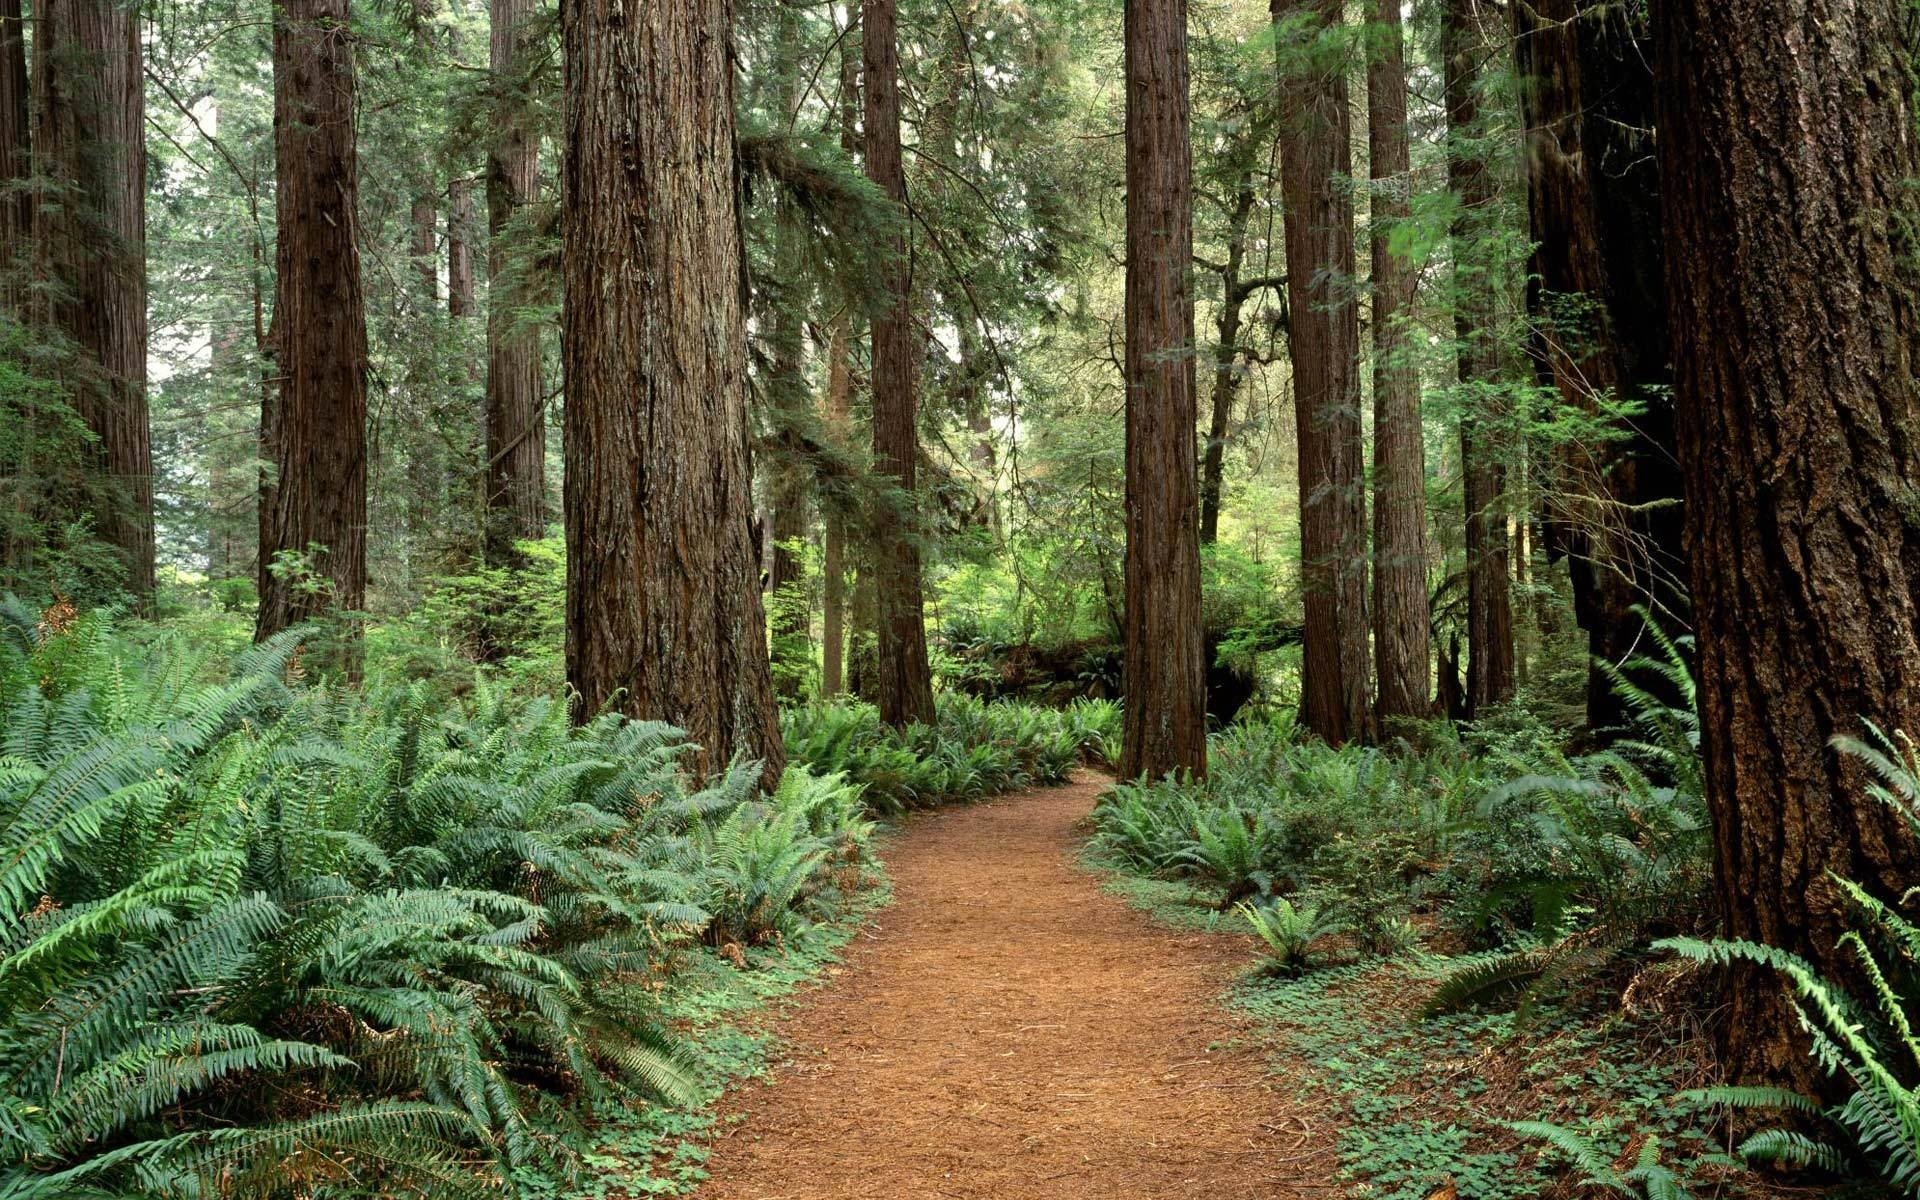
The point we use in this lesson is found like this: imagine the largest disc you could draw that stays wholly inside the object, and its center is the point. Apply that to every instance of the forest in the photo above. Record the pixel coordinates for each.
(818, 599)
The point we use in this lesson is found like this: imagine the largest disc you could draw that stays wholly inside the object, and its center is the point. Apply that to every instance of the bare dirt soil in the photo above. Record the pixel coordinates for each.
(1008, 1030)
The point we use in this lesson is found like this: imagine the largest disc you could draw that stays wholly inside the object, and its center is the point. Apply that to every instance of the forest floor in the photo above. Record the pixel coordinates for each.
(1007, 1029)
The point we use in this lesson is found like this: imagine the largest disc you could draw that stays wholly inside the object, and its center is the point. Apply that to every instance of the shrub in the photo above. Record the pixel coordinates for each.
(975, 748)
(261, 937)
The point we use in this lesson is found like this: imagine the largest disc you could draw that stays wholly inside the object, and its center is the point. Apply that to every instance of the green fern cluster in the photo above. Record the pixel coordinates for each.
(1866, 1036)
(263, 939)
(1580, 860)
(975, 748)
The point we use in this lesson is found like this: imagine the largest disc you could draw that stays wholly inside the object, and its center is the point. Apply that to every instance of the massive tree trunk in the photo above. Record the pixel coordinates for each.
(516, 474)
(1598, 304)
(664, 618)
(317, 501)
(1402, 618)
(1489, 593)
(1165, 666)
(906, 682)
(91, 230)
(1787, 151)
(1316, 162)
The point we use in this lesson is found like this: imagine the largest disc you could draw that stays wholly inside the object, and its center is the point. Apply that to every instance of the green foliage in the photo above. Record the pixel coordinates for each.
(975, 749)
(256, 930)
(1647, 1177)
(1865, 1035)
(1289, 931)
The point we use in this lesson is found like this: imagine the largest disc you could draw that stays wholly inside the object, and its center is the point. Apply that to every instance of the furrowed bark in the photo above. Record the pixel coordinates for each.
(1165, 664)
(664, 618)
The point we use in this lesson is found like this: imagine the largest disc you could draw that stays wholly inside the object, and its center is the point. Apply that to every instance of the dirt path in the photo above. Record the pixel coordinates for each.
(1008, 1030)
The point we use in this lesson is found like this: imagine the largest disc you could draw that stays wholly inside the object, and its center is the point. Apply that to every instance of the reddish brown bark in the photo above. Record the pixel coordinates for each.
(1316, 163)
(425, 250)
(16, 139)
(317, 504)
(460, 282)
(516, 477)
(1787, 151)
(1490, 665)
(1402, 617)
(664, 618)
(1165, 665)
(833, 554)
(89, 148)
(905, 680)
(1600, 317)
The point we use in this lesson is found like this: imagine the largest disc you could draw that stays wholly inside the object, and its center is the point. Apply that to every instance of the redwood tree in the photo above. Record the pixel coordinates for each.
(314, 426)
(1165, 665)
(1401, 615)
(16, 205)
(833, 549)
(664, 618)
(1316, 164)
(906, 682)
(89, 148)
(1791, 288)
(1490, 665)
(516, 442)
(1599, 308)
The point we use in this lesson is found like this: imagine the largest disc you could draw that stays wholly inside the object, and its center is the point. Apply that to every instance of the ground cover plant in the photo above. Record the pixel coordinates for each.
(1463, 942)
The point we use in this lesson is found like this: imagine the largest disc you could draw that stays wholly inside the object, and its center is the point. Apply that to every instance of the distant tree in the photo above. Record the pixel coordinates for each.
(1490, 655)
(664, 618)
(314, 424)
(1241, 181)
(1316, 164)
(905, 681)
(1402, 616)
(833, 550)
(516, 431)
(460, 281)
(16, 140)
(1791, 285)
(1599, 310)
(89, 152)
(1165, 665)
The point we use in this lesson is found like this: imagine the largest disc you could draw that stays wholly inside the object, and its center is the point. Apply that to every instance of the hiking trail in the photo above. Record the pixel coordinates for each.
(1006, 1029)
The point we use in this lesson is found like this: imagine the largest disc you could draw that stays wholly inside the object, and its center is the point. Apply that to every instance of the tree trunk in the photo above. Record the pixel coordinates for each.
(516, 475)
(459, 247)
(16, 139)
(1791, 289)
(90, 154)
(833, 554)
(317, 502)
(1316, 162)
(906, 682)
(1594, 202)
(788, 493)
(1402, 617)
(833, 566)
(664, 618)
(425, 250)
(1226, 358)
(1489, 594)
(1165, 666)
